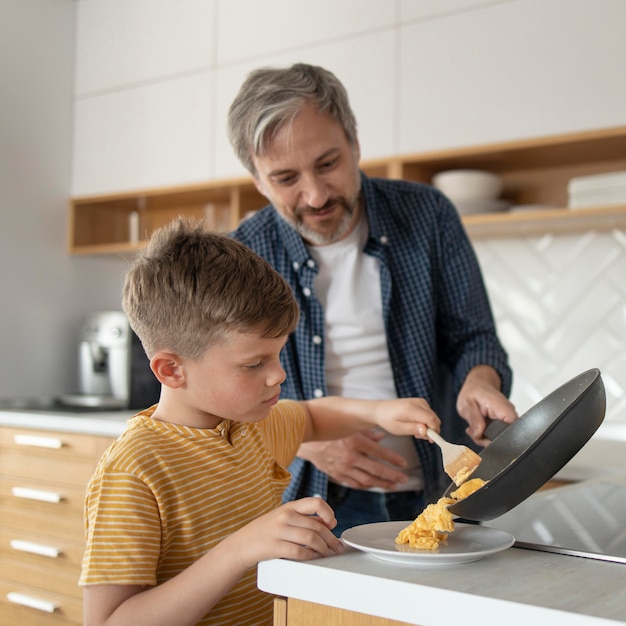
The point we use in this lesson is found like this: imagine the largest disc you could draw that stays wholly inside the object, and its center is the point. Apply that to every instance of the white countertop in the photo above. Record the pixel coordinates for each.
(604, 453)
(517, 587)
(104, 423)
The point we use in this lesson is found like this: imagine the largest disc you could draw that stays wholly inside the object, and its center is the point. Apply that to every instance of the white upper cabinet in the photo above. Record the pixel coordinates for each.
(366, 66)
(122, 44)
(251, 30)
(151, 136)
(511, 71)
(155, 78)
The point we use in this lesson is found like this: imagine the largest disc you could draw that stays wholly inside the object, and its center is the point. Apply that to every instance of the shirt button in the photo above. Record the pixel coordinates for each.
(317, 340)
(243, 432)
(296, 266)
(318, 393)
(307, 292)
(311, 263)
(384, 239)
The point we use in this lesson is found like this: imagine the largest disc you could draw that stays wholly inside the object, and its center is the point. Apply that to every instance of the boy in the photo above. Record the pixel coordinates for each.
(186, 503)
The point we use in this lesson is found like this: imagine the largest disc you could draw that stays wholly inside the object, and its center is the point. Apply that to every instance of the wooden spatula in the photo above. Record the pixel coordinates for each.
(458, 461)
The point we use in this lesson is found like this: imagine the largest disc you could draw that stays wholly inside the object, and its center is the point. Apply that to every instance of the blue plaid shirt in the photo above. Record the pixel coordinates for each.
(435, 307)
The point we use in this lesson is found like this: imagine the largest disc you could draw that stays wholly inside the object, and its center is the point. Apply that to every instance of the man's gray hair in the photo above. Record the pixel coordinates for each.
(272, 97)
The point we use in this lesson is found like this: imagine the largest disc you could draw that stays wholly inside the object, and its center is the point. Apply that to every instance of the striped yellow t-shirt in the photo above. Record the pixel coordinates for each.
(163, 495)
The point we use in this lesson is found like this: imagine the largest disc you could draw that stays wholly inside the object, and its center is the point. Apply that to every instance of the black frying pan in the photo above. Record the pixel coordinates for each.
(535, 447)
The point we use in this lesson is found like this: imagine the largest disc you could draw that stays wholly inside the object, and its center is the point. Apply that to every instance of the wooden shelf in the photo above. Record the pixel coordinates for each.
(534, 171)
(528, 223)
(101, 225)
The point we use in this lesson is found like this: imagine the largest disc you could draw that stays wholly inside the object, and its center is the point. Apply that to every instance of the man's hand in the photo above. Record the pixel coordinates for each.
(357, 461)
(480, 399)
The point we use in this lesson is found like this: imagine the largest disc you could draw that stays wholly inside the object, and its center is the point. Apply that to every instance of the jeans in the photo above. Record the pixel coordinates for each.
(354, 507)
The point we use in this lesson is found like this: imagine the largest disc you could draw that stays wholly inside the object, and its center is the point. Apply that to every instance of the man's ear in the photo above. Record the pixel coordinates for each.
(168, 369)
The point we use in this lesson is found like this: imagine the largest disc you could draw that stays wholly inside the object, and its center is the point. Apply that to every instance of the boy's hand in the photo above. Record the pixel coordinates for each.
(406, 416)
(299, 530)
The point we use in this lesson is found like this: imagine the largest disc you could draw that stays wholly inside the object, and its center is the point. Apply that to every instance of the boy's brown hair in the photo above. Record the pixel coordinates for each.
(190, 287)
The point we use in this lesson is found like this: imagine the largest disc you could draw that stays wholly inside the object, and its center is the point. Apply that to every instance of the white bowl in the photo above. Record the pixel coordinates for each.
(468, 185)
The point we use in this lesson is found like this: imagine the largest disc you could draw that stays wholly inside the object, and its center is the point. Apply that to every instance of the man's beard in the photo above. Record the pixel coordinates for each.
(317, 238)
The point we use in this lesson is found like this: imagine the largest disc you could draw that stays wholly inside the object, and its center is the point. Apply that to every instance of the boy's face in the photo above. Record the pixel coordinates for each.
(310, 173)
(237, 379)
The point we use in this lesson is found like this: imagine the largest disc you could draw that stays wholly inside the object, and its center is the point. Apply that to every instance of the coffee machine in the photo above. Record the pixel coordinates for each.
(113, 370)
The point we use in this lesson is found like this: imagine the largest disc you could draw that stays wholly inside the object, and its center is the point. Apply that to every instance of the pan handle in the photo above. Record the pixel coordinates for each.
(495, 428)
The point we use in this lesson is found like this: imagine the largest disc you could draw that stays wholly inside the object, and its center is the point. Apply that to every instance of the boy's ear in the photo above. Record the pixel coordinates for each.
(168, 369)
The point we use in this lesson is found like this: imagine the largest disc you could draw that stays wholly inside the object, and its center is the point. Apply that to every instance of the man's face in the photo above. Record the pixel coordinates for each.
(310, 173)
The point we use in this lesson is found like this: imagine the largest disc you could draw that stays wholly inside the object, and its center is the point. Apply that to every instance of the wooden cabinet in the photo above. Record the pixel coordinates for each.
(534, 171)
(292, 612)
(43, 475)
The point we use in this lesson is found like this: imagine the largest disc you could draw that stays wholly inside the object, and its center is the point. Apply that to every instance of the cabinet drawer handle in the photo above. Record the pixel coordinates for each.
(33, 603)
(35, 548)
(38, 442)
(36, 494)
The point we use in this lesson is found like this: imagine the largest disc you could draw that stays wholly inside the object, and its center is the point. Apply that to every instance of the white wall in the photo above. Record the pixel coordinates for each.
(153, 82)
(44, 291)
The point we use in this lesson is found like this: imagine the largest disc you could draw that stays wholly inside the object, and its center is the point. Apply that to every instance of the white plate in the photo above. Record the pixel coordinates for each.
(468, 542)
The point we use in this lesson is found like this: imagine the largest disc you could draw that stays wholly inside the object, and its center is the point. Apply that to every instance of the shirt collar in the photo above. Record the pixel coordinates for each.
(295, 246)
(376, 214)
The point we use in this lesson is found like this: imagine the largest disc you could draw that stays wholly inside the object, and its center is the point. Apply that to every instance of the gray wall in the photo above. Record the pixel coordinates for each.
(44, 291)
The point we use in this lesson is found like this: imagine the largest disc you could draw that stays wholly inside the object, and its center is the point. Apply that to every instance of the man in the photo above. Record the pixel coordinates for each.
(389, 288)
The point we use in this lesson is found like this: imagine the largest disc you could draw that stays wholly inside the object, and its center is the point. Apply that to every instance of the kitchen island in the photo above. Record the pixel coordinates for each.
(46, 460)
(516, 587)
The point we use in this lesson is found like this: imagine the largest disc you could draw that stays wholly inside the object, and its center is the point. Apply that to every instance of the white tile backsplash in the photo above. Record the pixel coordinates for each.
(560, 307)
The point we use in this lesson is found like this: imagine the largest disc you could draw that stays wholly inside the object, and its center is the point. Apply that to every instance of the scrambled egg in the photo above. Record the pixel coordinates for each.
(433, 524)
(462, 475)
(468, 488)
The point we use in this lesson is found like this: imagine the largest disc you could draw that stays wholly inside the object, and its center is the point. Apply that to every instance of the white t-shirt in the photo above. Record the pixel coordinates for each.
(357, 359)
